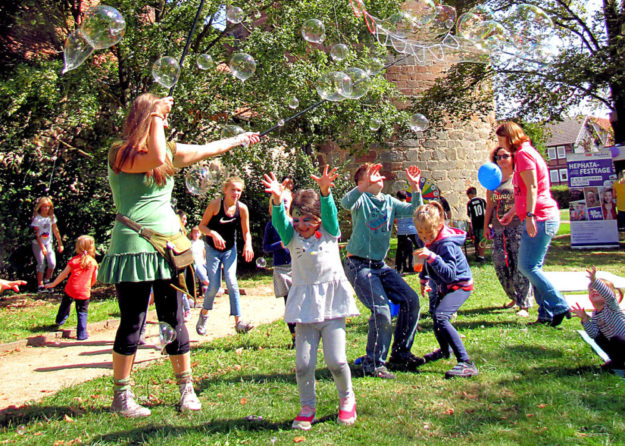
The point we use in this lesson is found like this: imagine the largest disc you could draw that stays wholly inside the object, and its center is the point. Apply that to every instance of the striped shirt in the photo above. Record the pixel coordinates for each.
(610, 321)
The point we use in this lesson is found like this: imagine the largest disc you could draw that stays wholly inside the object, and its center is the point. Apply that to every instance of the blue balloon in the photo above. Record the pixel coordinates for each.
(614, 151)
(489, 176)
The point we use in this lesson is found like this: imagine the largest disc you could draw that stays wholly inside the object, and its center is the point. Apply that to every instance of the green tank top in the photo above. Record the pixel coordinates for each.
(131, 258)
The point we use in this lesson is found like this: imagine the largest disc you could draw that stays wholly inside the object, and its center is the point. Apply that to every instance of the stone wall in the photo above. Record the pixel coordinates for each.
(449, 156)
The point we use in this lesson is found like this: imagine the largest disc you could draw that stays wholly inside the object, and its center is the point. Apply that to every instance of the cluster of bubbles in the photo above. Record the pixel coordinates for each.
(101, 27)
(423, 29)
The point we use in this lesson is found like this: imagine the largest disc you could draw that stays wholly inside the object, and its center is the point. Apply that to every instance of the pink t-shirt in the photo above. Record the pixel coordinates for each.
(527, 158)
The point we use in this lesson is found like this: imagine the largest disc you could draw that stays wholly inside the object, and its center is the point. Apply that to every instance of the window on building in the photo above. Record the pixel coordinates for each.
(551, 153)
(561, 152)
(555, 178)
(564, 176)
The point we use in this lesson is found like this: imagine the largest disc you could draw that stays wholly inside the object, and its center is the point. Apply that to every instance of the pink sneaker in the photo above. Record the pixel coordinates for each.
(347, 411)
(187, 316)
(304, 419)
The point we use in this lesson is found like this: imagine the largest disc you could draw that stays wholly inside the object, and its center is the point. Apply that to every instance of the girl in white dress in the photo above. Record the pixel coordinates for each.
(320, 298)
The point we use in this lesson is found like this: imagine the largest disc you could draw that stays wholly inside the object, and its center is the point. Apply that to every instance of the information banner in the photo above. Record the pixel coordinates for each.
(592, 205)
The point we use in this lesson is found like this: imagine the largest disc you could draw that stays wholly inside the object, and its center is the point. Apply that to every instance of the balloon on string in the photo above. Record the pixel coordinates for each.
(334, 86)
(242, 66)
(418, 123)
(234, 14)
(293, 103)
(339, 51)
(360, 83)
(76, 51)
(374, 124)
(198, 179)
(261, 263)
(165, 71)
(313, 31)
(166, 335)
(489, 175)
(205, 62)
(102, 27)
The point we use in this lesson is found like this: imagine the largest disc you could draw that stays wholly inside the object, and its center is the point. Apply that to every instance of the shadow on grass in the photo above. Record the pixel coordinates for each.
(14, 416)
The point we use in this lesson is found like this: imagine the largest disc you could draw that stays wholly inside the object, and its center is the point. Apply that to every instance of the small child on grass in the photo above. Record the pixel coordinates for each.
(82, 271)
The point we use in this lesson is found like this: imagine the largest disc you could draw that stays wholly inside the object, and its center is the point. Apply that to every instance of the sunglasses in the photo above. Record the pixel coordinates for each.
(501, 157)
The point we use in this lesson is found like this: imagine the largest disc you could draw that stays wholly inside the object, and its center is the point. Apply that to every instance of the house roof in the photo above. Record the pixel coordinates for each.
(565, 132)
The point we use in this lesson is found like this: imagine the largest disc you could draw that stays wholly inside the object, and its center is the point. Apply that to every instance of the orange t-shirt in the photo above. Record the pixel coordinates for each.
(80, 279)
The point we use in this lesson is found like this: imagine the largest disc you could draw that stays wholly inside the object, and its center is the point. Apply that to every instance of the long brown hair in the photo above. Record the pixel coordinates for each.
(40, 202)
(514, 133)
(135, 135)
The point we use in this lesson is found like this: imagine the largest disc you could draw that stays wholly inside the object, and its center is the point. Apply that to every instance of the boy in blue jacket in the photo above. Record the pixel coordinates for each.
(447, 272)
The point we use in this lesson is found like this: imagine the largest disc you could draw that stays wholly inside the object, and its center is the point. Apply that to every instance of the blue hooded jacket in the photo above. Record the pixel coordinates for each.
(447, 267)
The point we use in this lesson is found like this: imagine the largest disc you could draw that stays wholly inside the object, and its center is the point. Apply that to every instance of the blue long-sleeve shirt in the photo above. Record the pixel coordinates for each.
(372, 221)
(273, 245)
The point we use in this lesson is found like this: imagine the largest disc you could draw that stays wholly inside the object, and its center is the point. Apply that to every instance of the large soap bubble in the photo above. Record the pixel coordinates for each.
(231, 130)
(166, 335)
(418, 123)
(313, 31)
(205, 62)
(293, 103)
(234, 14)
(334, 86)
(76, 51)
(198, 179)
(339, 51)
(536, 26)
(421, 11)
(242, 66)
(360, 82)
(165, 71)
(102, 27)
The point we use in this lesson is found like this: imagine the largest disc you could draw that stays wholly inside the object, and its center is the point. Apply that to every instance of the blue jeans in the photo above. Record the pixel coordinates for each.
(214, 261)
(532, 254)
(441, 311)
(376, 284)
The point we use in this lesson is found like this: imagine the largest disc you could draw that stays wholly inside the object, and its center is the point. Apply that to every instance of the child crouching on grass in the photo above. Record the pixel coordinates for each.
(607, 323)
(447, 275)
(320, 297)
(82, 270)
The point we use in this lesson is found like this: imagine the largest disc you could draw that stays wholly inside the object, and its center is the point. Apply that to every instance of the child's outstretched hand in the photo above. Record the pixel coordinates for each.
(373, 176)
(273, 187)
(11, 285)
(592, 274)
(414, 177)
(579, 312)
(423, 253)
(325, 181)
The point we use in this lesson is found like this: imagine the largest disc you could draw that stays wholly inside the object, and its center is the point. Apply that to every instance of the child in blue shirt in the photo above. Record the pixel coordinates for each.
(376, 284)
(447, 275)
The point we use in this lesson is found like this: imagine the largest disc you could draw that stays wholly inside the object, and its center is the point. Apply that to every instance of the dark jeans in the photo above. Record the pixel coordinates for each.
(377, 284)
(442, 310)
(615, 348)
(82, 306)
(133, 298)
(406, 244)
(620, 217)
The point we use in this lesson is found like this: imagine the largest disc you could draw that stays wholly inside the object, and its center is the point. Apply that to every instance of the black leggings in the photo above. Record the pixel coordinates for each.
(133, 300)
(614, 347)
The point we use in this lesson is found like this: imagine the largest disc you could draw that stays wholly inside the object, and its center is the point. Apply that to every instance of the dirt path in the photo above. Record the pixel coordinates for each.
(32, 373)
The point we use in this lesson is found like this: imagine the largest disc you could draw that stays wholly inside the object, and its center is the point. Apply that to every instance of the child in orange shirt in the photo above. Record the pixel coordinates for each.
(82, 270)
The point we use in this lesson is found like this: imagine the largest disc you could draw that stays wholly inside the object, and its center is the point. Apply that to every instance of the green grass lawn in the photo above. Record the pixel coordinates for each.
(536, 385)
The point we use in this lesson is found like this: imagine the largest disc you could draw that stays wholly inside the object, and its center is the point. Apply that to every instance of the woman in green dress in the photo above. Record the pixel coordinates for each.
(141, 170)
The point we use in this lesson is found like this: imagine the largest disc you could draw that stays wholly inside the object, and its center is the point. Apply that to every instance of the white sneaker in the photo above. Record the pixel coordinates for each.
(124, 404)
(522, 313)
(188, 398)
(202, 322)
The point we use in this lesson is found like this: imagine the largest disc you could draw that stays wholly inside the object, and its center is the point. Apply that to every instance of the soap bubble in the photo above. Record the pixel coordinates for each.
(418, 123)
(205, 61)
(421, 12)
(261, 263)
(165, 71)
(313, 31)
(231, 130)
(334, 86)
(360, 83)
(445, 19)
(470, 26)
(374, 124)
(242, 66)
(166, 335)
(293, 103)
(281, 123)
(531, 26)
(76, 51)
(375, 66)
(102, 27)
(339, 51)
(234, 14)
(198, 179)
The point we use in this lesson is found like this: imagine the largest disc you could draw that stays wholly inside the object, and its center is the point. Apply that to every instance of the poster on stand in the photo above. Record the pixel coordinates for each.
(592, 205)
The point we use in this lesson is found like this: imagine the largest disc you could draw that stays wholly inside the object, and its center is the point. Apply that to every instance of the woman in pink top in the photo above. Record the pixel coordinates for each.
(539, 212)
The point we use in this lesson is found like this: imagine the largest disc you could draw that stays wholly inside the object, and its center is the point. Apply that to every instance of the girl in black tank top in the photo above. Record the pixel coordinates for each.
(225, 225)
